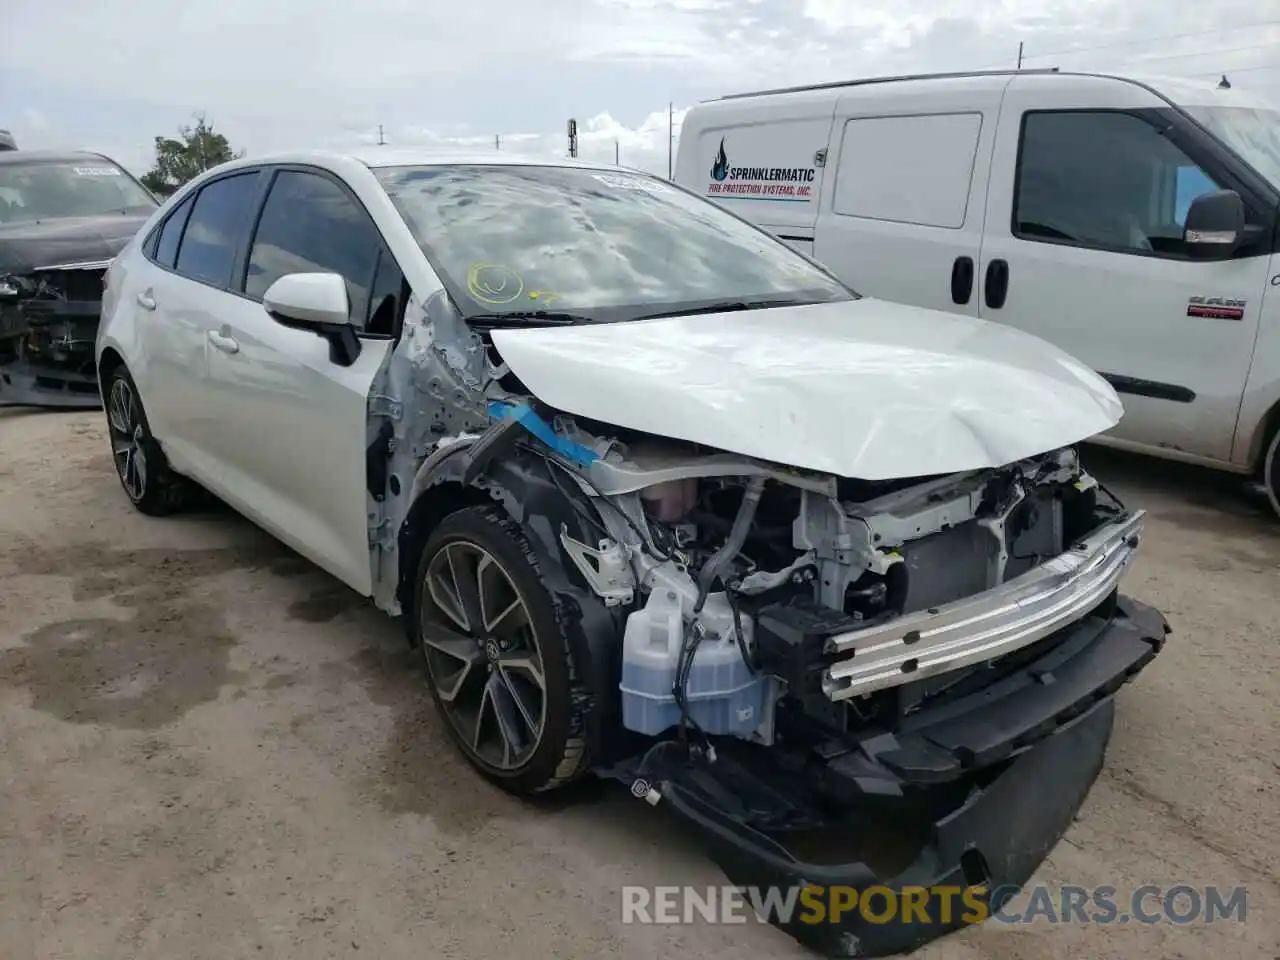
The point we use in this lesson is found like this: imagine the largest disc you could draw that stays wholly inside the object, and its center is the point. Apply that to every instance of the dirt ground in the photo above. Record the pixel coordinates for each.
(208, 748)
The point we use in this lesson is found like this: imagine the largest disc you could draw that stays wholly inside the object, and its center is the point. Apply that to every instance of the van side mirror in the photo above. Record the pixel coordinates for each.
(316, 302)
(1215, 225)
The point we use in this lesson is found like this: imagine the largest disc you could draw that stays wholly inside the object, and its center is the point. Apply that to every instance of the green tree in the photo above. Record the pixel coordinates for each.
(195, 149)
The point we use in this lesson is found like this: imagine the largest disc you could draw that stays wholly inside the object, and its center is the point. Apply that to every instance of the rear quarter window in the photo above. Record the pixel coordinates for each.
(163, 246)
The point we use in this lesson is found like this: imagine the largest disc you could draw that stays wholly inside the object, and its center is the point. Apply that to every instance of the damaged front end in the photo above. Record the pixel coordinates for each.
(786, 659)
(814, 657)
(48, 325)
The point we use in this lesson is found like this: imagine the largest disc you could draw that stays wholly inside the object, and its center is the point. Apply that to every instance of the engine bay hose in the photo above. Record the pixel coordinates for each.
(733, 543)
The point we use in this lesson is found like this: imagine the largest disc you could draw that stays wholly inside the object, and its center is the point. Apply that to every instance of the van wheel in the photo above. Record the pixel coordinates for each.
(140, 464)
(495, 645)
(1271, 473)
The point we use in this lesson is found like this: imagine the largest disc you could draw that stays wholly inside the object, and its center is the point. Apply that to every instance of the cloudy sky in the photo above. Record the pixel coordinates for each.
(112, 74)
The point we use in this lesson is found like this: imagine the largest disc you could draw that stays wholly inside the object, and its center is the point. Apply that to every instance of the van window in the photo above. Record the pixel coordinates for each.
(1192, 182)
(908, 169)
(1106, 180)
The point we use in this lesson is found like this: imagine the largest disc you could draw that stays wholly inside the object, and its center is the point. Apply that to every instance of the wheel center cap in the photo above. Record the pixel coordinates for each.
(491, 651)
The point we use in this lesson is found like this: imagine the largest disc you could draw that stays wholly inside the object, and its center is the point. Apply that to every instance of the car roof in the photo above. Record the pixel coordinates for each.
(13, 157)
(386, 156)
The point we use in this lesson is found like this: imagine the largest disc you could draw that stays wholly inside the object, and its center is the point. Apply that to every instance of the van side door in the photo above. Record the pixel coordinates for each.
(1091, 183)
(903, 201)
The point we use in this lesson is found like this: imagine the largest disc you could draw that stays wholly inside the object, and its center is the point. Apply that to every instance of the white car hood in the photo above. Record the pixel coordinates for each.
(865, 389)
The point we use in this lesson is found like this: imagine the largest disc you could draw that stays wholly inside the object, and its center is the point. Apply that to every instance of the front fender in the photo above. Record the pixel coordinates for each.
(523, 484)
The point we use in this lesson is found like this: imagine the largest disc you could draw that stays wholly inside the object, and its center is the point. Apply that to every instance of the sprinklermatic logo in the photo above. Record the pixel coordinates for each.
(793, 184)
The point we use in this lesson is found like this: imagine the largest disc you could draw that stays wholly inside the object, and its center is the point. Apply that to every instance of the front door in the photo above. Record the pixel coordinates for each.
(1084, 248)
(296, 421)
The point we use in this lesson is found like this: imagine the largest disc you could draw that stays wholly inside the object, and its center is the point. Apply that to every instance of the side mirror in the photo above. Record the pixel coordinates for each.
(1215, 225)
(316, 302)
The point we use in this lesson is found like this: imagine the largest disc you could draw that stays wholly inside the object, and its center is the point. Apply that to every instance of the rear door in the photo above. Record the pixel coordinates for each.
(178, 301)
(299, 419)
(903, 204)
(763, 160)
(1090, 187)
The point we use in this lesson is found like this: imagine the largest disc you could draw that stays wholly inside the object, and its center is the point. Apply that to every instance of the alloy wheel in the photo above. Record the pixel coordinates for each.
(483, 655)
(125, 424)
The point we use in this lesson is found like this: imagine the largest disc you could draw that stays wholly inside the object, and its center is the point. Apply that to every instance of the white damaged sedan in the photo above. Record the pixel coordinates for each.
(656, 497)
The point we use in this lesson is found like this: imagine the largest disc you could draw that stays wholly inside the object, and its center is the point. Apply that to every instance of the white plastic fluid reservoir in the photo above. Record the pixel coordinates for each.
(723, 695)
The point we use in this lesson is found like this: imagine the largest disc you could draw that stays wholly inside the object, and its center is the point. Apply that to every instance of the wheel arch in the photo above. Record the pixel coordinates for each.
(523, 486)
(1265, 432)
(107, 364)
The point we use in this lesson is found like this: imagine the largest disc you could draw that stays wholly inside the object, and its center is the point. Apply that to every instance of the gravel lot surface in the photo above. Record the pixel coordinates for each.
(209, 748)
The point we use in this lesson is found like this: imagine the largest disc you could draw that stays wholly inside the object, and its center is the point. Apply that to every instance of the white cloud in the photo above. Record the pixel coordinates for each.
(279, 73)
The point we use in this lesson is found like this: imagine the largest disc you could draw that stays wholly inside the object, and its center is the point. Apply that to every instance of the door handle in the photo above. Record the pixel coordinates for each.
(223, 342)
(962, 280)
(146, 301)
(996, 287)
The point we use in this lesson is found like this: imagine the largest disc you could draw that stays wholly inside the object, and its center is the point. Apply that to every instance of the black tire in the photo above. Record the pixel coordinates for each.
(144, 473)
(559, 754)
(1271, 472)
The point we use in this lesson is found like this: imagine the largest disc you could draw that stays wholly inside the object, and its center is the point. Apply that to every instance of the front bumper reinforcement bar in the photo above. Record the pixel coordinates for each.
(994, 623)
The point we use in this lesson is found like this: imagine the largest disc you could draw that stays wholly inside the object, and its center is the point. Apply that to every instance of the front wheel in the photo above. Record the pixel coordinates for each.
(496, 650)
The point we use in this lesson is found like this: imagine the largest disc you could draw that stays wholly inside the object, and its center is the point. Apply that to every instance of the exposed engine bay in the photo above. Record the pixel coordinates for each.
(833, 598)
(48, 324)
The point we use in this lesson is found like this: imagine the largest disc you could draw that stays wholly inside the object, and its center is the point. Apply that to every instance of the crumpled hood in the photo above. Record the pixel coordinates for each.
(30, 245)
(865, 389)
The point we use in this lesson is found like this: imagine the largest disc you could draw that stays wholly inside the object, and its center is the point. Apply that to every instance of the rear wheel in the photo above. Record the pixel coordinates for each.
(495, 647)
(140, 463)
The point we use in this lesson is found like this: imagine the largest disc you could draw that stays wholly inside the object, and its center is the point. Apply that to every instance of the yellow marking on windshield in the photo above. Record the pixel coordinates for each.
(494, 283)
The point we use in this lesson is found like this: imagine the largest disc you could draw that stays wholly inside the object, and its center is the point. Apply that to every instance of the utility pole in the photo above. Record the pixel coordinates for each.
(497, 141)
(671, 136)
(381, 140)
(1019, 54)
(617, 154)
(573, 138)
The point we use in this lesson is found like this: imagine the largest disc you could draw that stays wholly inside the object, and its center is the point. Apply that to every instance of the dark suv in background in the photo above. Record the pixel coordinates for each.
(63, 218)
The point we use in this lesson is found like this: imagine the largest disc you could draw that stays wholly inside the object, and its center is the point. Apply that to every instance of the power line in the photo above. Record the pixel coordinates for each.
(1141, 40)
(1235, 70)
(1206, 53)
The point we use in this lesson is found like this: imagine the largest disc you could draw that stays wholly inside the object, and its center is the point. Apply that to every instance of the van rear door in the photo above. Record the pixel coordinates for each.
(903, 202)
(762, 158)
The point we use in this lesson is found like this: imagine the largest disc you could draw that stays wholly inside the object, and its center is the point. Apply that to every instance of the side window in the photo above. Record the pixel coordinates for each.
(1190, 183)
(214, 228)
(310, 224)
(908, 169)
(166, 248)
(1106, 180)
(386, 297)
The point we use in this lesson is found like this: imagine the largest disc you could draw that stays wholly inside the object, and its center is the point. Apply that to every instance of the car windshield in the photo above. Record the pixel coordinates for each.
(1252, 133)
(44, 190)
(589, 244)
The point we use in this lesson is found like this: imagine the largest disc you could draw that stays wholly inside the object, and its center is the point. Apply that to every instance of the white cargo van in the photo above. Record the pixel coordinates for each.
(1131, 222)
